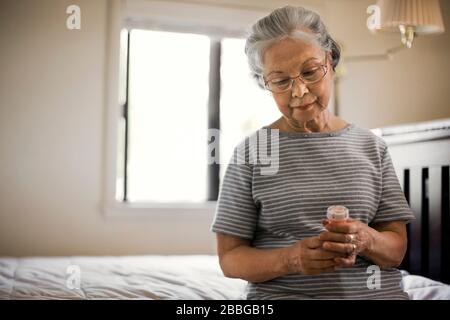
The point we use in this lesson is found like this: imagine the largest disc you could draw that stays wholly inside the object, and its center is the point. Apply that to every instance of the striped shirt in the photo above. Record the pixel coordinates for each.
(350, 167)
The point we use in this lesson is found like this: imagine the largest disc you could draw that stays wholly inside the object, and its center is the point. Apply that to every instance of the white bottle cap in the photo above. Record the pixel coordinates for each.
(337, 213)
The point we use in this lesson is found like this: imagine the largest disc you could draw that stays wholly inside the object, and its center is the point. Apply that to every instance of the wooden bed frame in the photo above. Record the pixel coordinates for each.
(421, 157)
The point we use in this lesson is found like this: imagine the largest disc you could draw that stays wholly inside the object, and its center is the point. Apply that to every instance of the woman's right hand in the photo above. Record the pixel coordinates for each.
(307, 256)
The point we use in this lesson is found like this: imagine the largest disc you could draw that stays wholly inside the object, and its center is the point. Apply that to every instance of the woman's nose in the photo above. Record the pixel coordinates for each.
(299, 88)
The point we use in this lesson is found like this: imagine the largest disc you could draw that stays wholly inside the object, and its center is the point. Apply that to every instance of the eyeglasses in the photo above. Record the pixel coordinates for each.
(310, 75)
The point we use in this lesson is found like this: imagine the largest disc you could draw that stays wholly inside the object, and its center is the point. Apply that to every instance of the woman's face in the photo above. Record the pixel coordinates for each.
(288, 58)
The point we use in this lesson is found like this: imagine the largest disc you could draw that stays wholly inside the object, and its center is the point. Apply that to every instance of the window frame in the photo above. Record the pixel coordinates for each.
(157, 15)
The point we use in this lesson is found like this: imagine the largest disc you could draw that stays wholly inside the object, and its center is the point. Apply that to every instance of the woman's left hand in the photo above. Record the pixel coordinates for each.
(350, 237)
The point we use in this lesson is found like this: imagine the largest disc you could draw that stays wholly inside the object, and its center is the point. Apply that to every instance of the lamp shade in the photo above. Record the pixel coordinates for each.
(424, 15)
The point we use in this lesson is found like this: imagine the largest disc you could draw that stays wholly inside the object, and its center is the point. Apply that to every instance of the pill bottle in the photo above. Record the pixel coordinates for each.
(337, 213)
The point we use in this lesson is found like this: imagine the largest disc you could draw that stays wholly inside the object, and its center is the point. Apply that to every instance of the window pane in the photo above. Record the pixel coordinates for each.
(244, 107)
(168, 116)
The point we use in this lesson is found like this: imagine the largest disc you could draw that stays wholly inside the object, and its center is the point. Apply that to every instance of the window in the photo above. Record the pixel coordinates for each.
(166, 118)
(174, 86)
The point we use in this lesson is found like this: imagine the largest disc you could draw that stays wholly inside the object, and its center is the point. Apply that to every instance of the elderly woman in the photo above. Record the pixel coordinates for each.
(270, 228)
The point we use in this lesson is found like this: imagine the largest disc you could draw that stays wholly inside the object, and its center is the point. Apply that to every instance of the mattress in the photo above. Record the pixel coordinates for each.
(174, 277)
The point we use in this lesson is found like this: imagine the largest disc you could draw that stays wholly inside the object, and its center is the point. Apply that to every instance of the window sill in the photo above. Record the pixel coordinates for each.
(119, 210)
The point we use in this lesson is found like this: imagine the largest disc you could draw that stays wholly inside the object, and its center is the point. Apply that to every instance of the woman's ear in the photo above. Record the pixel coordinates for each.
(330, 56)
(329, 61)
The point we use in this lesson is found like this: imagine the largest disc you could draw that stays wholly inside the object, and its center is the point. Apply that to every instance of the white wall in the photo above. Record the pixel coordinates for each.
(52, 124)
(52, 98)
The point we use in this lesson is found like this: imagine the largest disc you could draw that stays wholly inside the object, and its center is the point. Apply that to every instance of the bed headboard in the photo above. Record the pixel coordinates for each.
(421, 157)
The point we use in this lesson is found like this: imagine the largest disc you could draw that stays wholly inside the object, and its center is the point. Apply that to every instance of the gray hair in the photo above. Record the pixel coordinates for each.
(287, 21)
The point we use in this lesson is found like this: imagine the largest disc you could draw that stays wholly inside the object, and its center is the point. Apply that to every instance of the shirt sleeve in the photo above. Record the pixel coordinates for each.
(236, 213)
(393, 205)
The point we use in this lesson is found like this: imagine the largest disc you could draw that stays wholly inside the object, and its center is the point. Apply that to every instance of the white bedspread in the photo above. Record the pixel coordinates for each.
(127, 277)
(142, 277)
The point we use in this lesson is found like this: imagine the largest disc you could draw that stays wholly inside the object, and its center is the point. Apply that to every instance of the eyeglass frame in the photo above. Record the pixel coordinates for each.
(324, 66)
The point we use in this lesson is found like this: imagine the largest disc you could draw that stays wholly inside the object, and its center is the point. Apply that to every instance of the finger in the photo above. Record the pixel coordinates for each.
(342, 227)
(314, 243)
(335, 237)
(321, 264)
(321, 254)
(325, 222)
(338, 247)
(345, 262)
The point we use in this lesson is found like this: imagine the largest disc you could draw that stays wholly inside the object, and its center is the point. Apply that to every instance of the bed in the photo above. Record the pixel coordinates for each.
(176, 277)
(192, 277)
(421, 156)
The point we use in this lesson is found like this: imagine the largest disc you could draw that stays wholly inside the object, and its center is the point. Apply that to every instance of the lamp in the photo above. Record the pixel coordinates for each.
(410, 17)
